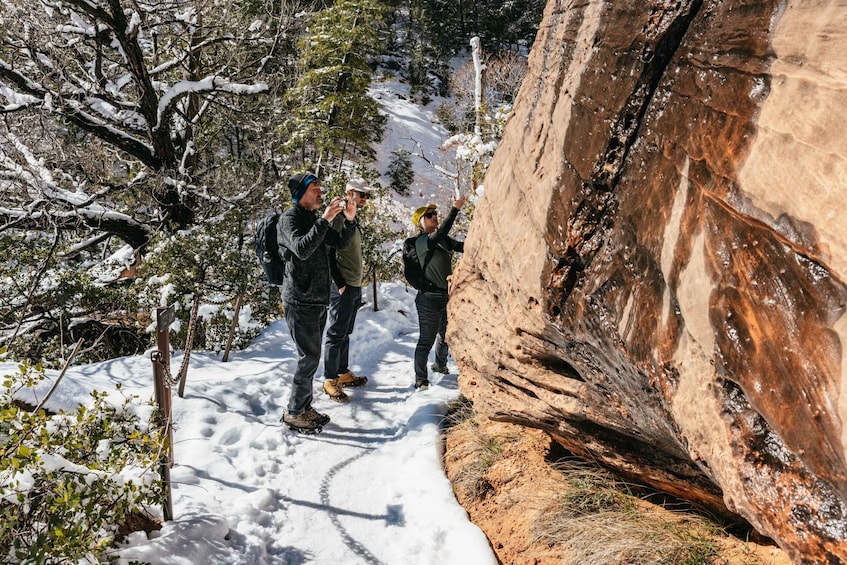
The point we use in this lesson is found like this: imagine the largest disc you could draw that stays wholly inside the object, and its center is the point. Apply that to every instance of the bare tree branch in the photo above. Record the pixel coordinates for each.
(36, 281)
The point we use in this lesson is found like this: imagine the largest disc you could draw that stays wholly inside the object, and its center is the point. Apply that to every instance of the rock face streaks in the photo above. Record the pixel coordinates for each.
(655, 275)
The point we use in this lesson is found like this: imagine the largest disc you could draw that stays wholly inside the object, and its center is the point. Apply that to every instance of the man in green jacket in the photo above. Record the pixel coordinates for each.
(347, 270)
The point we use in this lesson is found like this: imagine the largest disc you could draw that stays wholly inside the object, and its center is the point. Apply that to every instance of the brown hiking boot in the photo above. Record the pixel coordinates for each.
(302, 423)
(316, 417)
(350, 379)
(334, 391)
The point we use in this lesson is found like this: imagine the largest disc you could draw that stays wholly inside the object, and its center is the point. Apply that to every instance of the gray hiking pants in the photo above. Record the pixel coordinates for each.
(306, 324)
(342, 318)
(432, 319)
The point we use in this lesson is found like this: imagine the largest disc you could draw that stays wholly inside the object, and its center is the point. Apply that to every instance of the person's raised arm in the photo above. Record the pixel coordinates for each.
(447, 224)
(334, 238)
(300, 241)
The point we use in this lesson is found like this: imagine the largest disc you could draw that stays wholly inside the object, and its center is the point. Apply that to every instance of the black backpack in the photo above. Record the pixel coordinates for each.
(413, 268)
(267, 249)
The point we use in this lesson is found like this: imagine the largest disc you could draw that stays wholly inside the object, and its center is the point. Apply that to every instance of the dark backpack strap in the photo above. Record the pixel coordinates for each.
(426, 260)
(428, 254)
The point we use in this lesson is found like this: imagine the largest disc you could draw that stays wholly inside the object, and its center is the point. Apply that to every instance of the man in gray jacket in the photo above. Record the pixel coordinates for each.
(305, 288)
(347, 269)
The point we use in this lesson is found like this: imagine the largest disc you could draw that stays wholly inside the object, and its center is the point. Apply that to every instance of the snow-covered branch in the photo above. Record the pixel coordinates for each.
(110, 222)
(106, 101)
(29, 87)
(449, 174)
(209, 84)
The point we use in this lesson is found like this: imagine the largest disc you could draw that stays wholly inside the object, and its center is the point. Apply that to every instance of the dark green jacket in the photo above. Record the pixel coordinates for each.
(440, 265)
(346, 262)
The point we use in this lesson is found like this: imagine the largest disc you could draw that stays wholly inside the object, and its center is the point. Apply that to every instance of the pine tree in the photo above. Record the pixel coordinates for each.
(400, 171)
(332, 117)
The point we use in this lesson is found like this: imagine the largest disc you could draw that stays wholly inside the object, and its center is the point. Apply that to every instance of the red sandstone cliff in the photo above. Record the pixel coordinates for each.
(655, 274)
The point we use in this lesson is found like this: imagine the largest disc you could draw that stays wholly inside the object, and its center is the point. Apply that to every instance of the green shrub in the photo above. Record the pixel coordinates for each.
(217, 262)
(53, 302)
(70, 481)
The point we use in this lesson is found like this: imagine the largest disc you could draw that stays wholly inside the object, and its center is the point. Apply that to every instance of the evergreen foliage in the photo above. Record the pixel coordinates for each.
(506, 26)
(215, 264)
(55, 300)
(400, 171)
(332, 118)
(440, 29)
(376, 221)
(70, 481)
(379, 241)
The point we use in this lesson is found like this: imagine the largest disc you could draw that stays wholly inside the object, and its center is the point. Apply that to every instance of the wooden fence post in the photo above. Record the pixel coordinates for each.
(238, 302)
(161, 359)
(376, 306)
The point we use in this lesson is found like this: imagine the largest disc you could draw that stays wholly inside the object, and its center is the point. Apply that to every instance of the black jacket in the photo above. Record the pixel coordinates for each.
(308, 237)
(440, 265)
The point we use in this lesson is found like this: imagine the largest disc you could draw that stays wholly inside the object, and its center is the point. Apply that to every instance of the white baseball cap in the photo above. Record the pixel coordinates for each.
(359, 184)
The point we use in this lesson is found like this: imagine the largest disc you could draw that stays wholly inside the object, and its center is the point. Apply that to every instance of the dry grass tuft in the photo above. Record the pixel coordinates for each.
(599, 521)
(573, 513)
(458, 411)
(484, 450)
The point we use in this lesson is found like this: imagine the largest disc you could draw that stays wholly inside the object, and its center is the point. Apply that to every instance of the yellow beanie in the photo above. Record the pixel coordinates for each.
(416, 217)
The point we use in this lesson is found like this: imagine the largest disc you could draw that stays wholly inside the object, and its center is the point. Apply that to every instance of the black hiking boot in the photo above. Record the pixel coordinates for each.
(421, 385)
(440, 368)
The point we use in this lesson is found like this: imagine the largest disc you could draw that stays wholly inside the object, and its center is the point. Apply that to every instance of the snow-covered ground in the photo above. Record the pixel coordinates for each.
(247, 490)
(370, 488)
(414, 128)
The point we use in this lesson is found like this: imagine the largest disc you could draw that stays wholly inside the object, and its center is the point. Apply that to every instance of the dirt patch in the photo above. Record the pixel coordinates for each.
(502, 477)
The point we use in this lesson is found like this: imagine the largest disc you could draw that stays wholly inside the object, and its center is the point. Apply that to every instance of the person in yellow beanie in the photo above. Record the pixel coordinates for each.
(436, 244)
